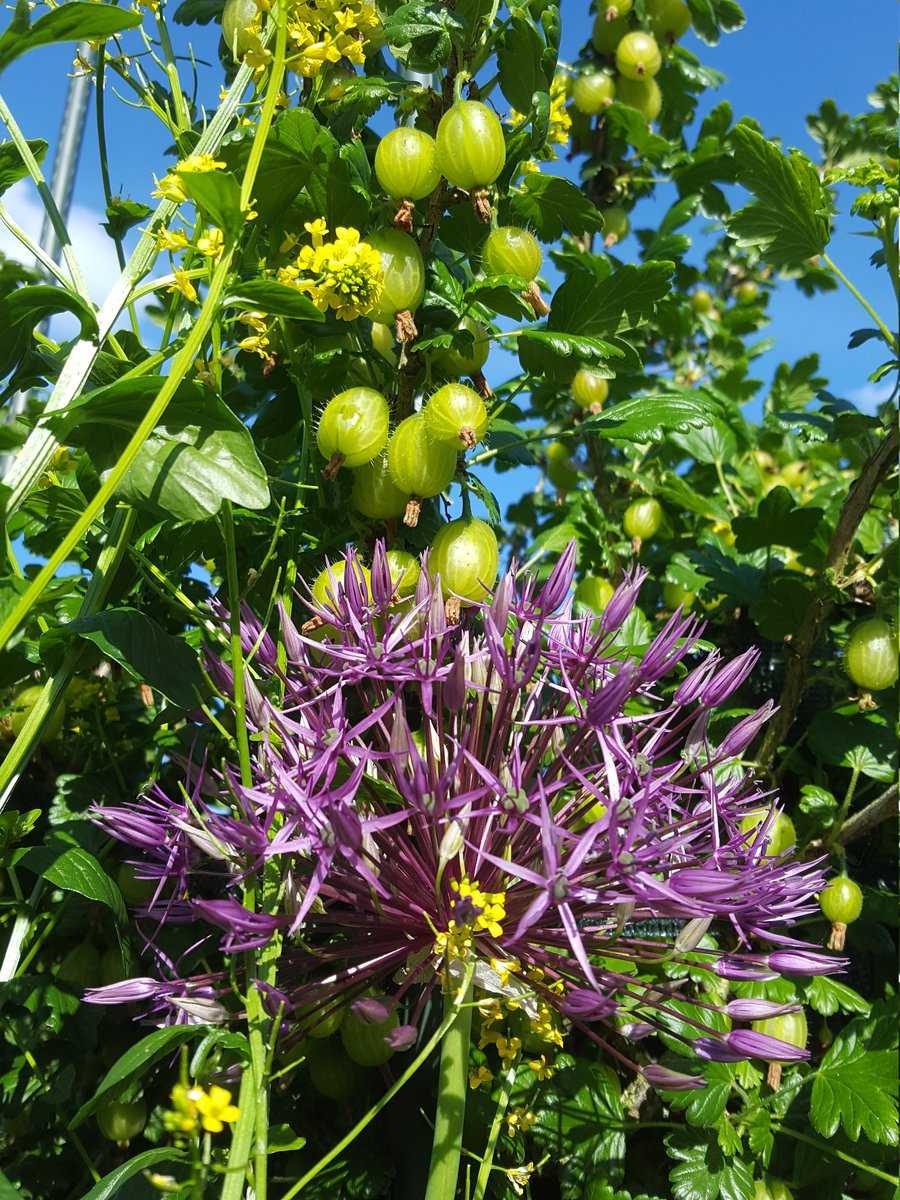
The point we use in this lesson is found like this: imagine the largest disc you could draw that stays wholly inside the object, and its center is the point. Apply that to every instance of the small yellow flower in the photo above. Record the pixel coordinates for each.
(169, 188)
(541, 1068)
(182, 1117)
(215, 1108)
(317, 230)
(477, 1078)
(183, 284)
(212, 243)
(519, 1177)
(519, 1119)
(199, 164)
(171, 239)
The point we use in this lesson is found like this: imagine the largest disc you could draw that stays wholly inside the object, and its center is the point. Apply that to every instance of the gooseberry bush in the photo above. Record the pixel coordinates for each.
(364, 836)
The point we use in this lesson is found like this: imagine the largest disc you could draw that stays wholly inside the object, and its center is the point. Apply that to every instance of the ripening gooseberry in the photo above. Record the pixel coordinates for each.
(134, 889)
(456, 414)
(328, 586)
(675, 596)
(794, 473)
(589, 389)
(790, 1028)
(701, 301)
(561, 471)
(120, 1120)
(614, 9)
(593, 91)
(771, 1189)
(642, 518)
(419, 466)
(469, 362)
(781, 834)
(510, 250)
(872, 659)
(405, 570)
(615, 224)
(594, 591)
(22, 704)
(375, 494)
(841, 900)
(237, 16)
(327, 1023)
(746, 291)
(668, 18)
(637, 55)
(606, 35)
(642, 94)
(404, 274)
(406, 163)
(471, 150)
(353, 428)
(331, 1072)
(366, 1042)
(335, 82)
(466, 556)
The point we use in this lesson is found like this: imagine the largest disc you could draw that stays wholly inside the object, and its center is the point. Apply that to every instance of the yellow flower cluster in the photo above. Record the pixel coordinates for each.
(477, 912)
(344, 275)
(191, 1106)
(519, 1120)
(258, 341)
(560, 121)
(170, 186)
(319, 33)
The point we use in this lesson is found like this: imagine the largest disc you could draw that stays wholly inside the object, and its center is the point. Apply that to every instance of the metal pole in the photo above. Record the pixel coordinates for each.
(62, 186)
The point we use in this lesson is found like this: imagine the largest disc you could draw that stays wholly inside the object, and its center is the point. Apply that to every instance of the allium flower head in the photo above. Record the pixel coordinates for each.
(508, 793)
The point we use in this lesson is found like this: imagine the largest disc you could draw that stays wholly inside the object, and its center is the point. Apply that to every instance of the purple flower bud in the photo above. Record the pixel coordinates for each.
(609, 699)
(455, 683)
(501, 605)
(371, 1010)
(126, 991)
(582, 1004)
(730, 678)
(742, 1044)
(290, 634)
(555, 590)
(664, 651)
(403, 1037)
(257, 705)
(622, 601)
(380, 576)
(758, 1010)
(671, 1081)
(743, 968)
(692, 684)
(636, 1031)
(805, 962)
(739, 738)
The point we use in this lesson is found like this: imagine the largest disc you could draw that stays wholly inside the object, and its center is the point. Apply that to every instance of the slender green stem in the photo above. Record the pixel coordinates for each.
(487, 1163)
(182, 114)
(241, 1141)
(59, 225)
(729, 499)
(451, 1100)
(273, 91)
(854, 291)
(237, 656)
(424, 1054)
(33, 248)
(182, 363)
(834, 831)
(826, 1148)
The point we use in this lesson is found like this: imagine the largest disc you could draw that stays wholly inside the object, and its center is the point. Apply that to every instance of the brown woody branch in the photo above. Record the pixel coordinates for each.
(800, 648)
(882, 808)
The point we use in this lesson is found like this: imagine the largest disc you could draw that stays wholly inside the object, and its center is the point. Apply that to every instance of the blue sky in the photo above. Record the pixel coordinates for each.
(790, 55)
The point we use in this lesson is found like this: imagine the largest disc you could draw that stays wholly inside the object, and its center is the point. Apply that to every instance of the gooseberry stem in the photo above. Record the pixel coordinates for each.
(451, 1100)
(855, 292)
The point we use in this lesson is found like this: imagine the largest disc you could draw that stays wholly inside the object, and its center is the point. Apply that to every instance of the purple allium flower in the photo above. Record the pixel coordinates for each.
(507, 791)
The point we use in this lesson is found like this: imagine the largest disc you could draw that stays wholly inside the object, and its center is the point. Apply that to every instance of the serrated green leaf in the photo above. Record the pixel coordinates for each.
(789, 220)
(423, 35)
(704, 1172)
(75, 870)
(519, 61)
(587, 305)
(856, 1084)
(550, 205)
(778, 521)
(828, 996)
(650, 418)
